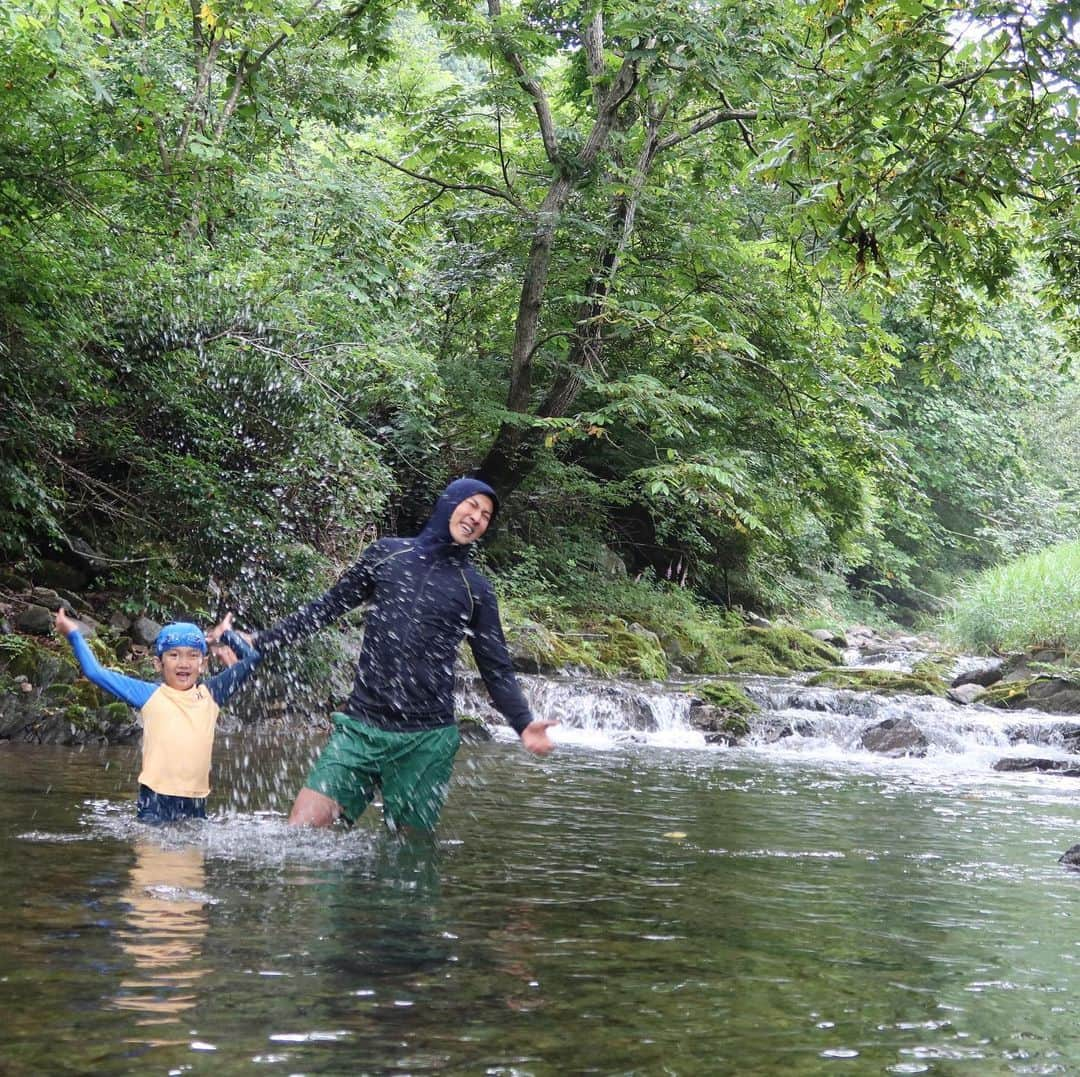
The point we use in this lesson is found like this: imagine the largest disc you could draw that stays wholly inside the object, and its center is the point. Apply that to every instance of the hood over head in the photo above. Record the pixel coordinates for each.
(436, 531)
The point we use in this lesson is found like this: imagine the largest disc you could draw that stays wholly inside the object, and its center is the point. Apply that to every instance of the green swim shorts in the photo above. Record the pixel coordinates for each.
(412, 769)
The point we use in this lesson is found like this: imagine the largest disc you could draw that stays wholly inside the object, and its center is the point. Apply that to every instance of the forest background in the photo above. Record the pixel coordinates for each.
(760, 307)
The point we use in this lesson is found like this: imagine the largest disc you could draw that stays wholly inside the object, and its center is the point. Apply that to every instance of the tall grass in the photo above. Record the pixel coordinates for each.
(1031, 602)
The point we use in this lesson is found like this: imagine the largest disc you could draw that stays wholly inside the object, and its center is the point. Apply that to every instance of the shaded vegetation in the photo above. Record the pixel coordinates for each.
(740, 309)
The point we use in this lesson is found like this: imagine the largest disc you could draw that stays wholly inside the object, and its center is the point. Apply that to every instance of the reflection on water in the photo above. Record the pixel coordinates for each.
(164, 931)
(632, 910)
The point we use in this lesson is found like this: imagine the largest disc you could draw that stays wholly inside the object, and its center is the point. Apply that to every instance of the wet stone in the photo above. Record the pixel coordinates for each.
(966, 693)
(1064, 767)
(896, 737)
(984, 676)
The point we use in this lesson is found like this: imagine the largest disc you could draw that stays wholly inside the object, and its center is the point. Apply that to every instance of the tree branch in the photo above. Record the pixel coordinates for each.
(594, 54)
(718, 116)
(483, 188)
(530, 85)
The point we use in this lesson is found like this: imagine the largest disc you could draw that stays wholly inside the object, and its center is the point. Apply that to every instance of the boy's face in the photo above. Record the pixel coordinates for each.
(471, 518)
(180, 667)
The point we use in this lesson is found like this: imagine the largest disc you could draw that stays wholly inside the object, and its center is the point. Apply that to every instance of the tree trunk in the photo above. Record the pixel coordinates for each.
(512, 455)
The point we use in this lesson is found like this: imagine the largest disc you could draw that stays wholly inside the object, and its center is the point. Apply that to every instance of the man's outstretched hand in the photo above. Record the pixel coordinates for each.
(213, 635)
(535, 736)
(222, 651)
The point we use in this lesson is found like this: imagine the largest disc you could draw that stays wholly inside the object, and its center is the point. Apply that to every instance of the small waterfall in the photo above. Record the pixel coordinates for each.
(792, 718)
(594, 711)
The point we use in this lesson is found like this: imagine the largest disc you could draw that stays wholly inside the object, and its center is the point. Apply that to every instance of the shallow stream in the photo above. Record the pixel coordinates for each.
(640, 904)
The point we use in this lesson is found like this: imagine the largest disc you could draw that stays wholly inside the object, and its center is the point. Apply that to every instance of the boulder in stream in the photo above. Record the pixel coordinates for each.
(966, 693)
(1071, 857)
(980, 675)
(887, 682)
(1064, 767)
(895, 737)
(1052, 695)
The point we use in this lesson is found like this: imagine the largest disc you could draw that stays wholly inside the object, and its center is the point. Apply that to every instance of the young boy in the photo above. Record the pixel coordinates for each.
(179, 716)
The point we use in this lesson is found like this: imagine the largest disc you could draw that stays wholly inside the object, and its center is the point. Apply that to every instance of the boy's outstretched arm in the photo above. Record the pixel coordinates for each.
(225, 684)
(131, 690)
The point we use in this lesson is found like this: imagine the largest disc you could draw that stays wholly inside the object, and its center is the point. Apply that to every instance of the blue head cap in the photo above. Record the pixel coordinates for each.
(181, 634)
(437, 530)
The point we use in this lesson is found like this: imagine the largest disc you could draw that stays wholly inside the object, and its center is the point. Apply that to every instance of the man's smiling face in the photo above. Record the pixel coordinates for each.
(471, 518)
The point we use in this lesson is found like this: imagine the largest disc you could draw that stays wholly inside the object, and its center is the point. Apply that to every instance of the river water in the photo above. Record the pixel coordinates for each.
(637, 904)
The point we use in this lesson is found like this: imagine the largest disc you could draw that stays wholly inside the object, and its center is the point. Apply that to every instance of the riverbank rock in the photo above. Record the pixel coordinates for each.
(52, 718)
(144, 631)
(1025, 667)
(895, 737)
(775, 651)
(533, 648)
(827, 635)
(1054, 695)
(35, 619)
(61, 575)
(983, 675)
(633, 649)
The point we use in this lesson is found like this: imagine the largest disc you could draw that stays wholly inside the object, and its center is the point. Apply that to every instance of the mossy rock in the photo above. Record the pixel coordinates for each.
(727, 696)
(115, 713)
(533, 648)
(737, 726)
(1055, 695)
(81, 717)
(87, 694)
(634, 651)
(886, 682)
(571, 652)
(720, 726)
(740, 658)
(57, 668)
(935, 665)
(21, 656)
(1007, 694)
(473, 728)
(704, 648)
(777, 650)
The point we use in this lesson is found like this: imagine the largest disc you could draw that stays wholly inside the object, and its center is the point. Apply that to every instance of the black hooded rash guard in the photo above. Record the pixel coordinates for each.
(424, 598)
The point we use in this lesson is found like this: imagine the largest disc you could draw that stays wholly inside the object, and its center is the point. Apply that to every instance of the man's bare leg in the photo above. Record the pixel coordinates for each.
(313, 809)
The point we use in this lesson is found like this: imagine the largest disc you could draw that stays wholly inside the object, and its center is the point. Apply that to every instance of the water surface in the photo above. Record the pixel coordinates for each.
(635, 909)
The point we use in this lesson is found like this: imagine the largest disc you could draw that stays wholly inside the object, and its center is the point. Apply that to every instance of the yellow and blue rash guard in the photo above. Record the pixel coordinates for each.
(178, 727)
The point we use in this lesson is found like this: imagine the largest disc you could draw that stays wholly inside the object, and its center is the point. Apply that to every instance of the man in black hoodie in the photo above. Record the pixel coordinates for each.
(397, 730)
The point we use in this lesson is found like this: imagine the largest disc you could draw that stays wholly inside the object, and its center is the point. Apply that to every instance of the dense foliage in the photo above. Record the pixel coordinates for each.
(767, 303)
